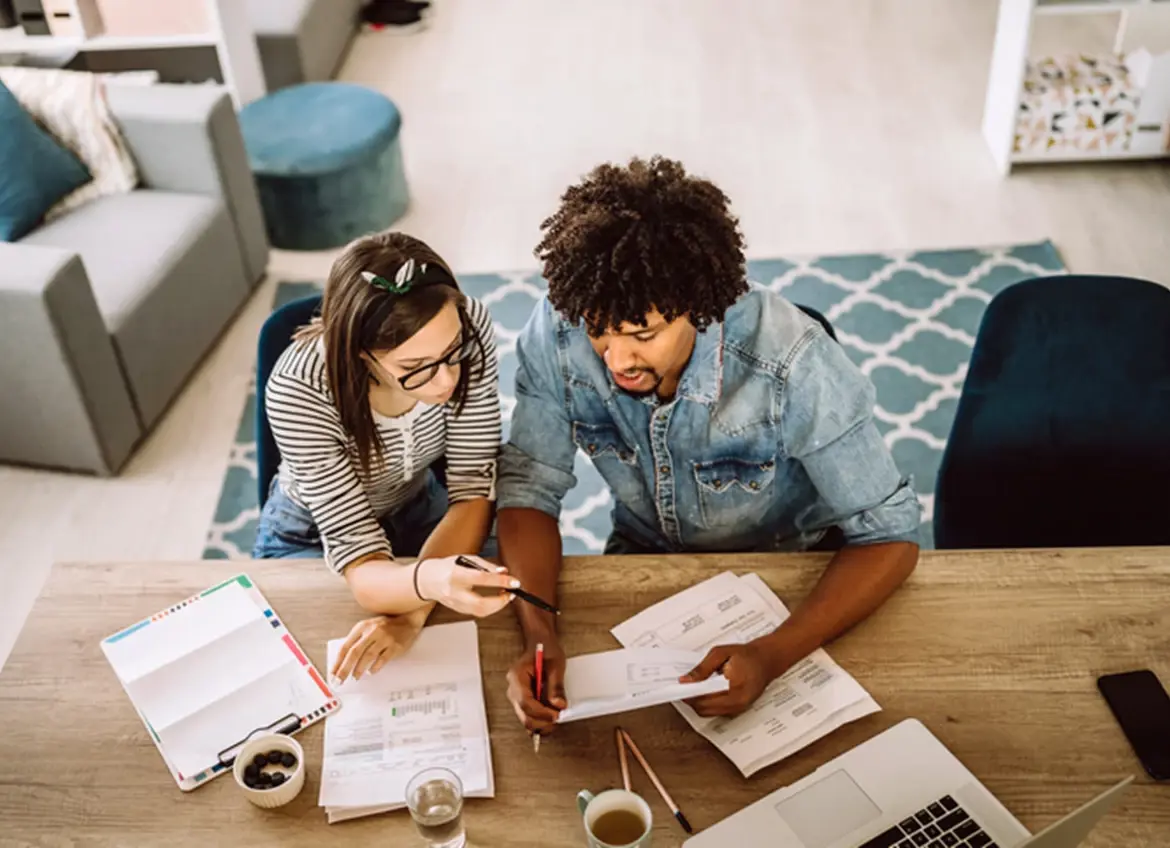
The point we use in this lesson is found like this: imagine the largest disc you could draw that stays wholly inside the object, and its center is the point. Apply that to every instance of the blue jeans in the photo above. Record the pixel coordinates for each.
(287, 530)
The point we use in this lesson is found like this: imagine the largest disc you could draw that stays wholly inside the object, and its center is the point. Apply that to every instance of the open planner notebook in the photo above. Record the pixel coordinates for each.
(422, 710)
(812, 699)
(210, 671)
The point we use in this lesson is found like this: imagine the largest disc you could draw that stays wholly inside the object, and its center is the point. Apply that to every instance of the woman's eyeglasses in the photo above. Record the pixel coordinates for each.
(416, 378)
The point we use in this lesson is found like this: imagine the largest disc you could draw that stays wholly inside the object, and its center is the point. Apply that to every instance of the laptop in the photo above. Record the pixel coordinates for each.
(900, 789)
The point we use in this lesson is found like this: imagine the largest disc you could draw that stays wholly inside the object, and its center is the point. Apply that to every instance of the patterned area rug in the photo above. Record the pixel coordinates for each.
(907, 319)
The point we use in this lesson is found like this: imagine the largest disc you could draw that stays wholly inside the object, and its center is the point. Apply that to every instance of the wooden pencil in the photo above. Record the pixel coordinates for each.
(678, 814)
(625, 764)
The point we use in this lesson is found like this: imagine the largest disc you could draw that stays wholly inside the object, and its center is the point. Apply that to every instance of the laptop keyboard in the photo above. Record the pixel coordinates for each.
(943, 824)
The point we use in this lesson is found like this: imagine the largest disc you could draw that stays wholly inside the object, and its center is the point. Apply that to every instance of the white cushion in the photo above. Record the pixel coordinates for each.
(71, 106)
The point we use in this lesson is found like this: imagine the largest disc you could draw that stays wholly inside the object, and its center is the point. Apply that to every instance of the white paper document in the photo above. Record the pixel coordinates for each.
(814, 698)
(630, 679)
(422, 710)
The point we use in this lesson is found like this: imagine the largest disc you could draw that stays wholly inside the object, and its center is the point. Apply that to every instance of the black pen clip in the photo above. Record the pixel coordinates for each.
(469, 563)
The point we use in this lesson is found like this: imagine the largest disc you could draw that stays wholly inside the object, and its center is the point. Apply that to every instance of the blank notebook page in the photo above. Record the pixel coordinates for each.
(209, 674)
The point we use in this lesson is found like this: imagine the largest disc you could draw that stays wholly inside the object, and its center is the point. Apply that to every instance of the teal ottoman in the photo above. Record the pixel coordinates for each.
(327, 162)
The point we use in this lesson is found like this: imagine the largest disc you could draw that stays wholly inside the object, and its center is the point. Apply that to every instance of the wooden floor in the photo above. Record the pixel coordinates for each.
(841, 125)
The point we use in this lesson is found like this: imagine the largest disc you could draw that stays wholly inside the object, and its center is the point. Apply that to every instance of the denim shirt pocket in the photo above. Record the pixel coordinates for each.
(615, 460)
(602, 441)
(734, 490)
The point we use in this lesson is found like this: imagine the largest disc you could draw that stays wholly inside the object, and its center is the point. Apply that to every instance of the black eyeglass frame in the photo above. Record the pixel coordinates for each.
(457, 355)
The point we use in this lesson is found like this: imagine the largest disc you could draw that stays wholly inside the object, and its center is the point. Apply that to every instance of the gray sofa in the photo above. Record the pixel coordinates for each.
(106, 311)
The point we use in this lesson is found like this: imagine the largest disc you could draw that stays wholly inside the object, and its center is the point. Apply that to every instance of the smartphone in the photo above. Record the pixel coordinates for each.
(1142, 708)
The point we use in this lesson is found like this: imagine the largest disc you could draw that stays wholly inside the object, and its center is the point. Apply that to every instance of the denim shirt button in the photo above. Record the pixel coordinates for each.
(717, 484)
(593, 448)
(664, 470)
(754, 485)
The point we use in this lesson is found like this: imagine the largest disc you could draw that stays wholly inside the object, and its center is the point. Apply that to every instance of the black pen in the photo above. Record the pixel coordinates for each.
(519, 593)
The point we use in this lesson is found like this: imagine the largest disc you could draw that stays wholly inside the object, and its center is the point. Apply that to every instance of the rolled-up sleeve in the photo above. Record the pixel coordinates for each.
(473, 434)
(826, 423)
(536, 465)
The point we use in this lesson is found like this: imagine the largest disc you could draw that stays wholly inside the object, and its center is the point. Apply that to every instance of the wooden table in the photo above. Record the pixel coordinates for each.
(997, 653)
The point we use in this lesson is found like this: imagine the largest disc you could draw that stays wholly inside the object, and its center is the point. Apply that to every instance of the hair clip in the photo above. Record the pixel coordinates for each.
(403, 278)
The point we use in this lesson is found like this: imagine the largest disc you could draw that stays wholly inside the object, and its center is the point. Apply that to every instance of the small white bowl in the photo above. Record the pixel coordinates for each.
(281, 795)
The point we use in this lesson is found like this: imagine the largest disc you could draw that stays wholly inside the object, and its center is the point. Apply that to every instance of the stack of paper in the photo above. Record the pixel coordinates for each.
(631, 679)
(814, 698)
(423, 710)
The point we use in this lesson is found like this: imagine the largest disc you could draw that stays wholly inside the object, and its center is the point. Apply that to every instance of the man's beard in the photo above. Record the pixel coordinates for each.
(655, 381)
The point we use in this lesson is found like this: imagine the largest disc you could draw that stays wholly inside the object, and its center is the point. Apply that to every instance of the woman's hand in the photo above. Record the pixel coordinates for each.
(455, 586)
(373, 643)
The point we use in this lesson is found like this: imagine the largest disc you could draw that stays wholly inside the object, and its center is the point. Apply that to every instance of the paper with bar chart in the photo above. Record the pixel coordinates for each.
(423, 710)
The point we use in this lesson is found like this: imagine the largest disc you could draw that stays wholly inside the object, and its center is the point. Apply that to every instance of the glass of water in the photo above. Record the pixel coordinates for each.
(435, 799)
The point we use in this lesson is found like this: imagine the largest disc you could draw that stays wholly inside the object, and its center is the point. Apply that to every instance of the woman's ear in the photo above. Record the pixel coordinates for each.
(372, 367)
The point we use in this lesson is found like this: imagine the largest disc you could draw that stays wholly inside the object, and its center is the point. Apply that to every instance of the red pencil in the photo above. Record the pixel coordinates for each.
(539, 689)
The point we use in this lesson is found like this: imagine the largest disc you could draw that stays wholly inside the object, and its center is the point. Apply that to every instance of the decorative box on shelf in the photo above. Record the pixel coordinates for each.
(1151, 72)
(73, 18)
(1077, 104)
(30, 14)
(1079, 108)
(125, 18)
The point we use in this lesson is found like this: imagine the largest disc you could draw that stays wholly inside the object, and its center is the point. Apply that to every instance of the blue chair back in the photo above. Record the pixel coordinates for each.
(819, 318)
(1062, 432)
(275, 336)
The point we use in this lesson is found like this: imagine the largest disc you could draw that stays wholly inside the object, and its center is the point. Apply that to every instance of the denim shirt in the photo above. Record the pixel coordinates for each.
(768, 441)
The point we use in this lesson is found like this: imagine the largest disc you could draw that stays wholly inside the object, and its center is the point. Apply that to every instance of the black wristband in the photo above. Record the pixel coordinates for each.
(417, 566)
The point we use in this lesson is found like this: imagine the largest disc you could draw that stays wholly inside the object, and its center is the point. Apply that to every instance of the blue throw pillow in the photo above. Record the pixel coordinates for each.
(35, 171)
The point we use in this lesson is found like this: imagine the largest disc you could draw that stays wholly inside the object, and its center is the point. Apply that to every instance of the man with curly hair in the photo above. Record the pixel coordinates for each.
(722, 418)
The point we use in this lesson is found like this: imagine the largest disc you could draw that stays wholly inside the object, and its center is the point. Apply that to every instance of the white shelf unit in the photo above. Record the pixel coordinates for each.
(1013, 36)
(15, 41)
(231, 36)
(1090, 7)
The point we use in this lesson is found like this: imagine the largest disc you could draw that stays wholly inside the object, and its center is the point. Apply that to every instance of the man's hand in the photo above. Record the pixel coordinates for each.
(374, 642)
(745, 668)
(535, 716)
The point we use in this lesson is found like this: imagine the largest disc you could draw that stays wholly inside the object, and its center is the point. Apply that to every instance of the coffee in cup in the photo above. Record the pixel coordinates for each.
(615, 819)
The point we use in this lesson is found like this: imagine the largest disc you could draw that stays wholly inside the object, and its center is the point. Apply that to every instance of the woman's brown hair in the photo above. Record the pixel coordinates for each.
(358, 317)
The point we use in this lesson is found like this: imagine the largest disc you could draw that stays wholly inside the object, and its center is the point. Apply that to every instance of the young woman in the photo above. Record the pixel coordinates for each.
(399, 371)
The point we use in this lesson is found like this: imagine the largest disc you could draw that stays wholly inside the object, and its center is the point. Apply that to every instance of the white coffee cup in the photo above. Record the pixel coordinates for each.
(593, 807)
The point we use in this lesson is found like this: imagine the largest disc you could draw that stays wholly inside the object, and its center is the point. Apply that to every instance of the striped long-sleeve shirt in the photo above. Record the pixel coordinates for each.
(319, 466)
